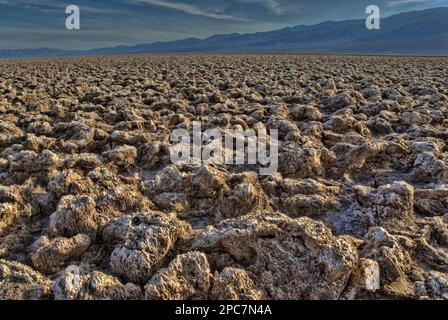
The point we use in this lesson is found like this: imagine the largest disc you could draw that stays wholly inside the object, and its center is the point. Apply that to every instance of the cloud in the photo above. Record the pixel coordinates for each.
(52, 6)
(398, 3)
(26, 3)
(273, 5)
(193, 9)
(29, 23)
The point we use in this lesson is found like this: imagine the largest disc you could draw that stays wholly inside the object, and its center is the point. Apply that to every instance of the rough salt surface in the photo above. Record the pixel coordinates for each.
(91, 207)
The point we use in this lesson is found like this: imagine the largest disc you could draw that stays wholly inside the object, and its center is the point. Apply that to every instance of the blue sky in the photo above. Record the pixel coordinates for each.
(41, 23)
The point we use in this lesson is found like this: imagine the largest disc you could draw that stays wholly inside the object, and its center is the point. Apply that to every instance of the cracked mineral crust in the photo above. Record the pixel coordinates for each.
(92, 206)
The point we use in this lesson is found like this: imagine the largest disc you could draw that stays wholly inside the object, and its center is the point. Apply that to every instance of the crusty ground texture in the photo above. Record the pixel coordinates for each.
(357, 210)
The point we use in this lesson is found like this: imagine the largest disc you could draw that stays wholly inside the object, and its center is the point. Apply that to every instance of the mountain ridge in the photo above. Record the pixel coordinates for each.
(422, 32)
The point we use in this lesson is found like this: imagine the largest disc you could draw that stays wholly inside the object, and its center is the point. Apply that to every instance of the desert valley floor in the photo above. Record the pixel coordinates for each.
(91, 206)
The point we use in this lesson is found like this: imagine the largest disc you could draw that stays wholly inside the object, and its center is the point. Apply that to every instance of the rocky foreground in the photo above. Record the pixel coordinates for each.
(91, 207)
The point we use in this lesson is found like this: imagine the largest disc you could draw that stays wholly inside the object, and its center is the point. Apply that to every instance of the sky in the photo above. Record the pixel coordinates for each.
(105, 23)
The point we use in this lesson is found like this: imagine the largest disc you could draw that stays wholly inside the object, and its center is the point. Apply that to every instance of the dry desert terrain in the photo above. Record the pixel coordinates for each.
(92, 207)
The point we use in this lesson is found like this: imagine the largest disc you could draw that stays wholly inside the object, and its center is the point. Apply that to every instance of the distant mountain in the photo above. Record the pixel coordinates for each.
(411, 33)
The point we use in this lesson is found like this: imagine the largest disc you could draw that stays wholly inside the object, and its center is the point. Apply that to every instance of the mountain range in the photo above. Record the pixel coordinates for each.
(411, 33)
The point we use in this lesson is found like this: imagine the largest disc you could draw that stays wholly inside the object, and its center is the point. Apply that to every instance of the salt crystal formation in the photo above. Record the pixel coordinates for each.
(91, 207)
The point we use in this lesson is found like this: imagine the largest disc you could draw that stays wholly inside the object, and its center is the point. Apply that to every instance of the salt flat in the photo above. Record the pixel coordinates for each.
(92, 206)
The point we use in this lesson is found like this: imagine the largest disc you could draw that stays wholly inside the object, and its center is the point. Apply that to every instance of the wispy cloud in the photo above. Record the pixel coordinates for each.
(193, 9)
(274, 6)
(54, 6)
(397, 3)
(41, 23)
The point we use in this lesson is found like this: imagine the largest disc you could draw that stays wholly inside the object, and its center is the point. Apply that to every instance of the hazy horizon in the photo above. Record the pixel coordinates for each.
(41, 24)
